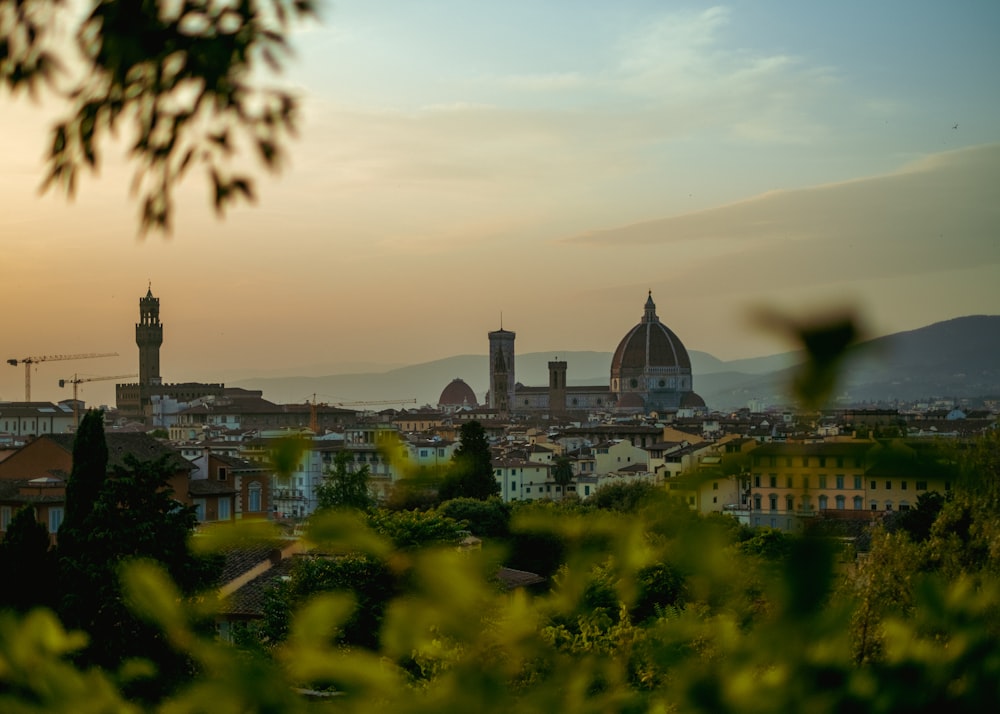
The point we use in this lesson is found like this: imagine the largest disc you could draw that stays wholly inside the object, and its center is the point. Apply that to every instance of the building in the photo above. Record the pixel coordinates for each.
(858, 479)
(37, 473)
(650, 372)
(135, 400)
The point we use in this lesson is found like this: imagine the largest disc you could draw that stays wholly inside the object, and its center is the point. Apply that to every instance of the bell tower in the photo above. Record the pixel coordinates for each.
(149, 337)
(502, 371)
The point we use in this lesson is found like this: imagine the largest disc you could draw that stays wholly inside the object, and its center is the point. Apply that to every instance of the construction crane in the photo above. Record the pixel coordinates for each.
(28, 361)
(77, 381)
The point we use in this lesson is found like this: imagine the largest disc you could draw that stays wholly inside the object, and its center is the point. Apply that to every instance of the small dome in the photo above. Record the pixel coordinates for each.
(692, 401)
(458, 394)
(631, 400)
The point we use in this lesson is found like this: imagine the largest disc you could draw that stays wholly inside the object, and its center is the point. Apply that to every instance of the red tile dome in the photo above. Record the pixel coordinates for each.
(458, 394)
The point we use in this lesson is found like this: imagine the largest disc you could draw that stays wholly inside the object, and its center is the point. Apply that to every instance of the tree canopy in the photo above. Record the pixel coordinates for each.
(344, 487)
(181, 77)
(471, 474)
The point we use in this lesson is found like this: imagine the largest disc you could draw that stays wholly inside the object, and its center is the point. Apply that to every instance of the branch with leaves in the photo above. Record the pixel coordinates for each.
(181, 76)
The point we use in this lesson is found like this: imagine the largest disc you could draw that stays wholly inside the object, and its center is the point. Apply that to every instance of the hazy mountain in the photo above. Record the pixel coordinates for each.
(952, 359)
(956, 358)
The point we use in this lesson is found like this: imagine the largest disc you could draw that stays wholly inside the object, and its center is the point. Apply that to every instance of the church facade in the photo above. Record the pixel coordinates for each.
(650, 372)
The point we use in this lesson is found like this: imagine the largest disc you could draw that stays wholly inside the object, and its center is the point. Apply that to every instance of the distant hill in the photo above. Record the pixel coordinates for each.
(956, 358)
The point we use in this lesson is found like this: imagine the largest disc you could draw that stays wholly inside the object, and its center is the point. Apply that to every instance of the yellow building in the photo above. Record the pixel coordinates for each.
(857, 479)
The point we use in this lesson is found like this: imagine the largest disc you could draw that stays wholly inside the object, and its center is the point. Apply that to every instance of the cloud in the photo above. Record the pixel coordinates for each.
(939, 213)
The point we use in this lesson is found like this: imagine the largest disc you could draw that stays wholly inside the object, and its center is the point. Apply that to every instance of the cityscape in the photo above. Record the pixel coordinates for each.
(487, 357)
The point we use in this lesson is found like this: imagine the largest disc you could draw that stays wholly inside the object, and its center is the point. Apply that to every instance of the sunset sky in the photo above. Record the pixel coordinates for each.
(550, 161)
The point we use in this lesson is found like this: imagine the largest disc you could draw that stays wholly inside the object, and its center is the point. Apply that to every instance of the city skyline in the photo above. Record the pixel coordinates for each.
(552, 164)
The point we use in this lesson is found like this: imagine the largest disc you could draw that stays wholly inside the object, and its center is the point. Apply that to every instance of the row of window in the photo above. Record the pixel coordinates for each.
(839, 482)
(839, 462)
(858, 503)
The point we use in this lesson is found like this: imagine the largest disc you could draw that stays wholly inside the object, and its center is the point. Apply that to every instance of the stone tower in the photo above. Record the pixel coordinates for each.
(502, 371)
(149, 337)
(557, 387)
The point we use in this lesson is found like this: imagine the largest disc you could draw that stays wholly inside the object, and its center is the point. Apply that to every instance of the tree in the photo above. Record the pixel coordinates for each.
(134, 517)
(343, 487)
(30, 567)
(472, 467)
(490, 518)
(86, 479)
(562, 473)
(180, 74)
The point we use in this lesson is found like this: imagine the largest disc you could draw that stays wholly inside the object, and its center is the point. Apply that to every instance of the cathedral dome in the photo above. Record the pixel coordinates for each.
(650, 344)
(458, 394)
(651, 366)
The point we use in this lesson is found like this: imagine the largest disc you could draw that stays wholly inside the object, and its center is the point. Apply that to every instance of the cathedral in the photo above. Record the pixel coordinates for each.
(650, 372)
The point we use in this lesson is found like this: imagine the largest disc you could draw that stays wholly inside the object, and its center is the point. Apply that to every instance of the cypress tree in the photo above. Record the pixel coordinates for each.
(90, 471)
(25, 558)
(472, 475)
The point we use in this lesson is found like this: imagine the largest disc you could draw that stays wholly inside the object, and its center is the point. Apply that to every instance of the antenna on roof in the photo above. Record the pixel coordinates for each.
(501, 319)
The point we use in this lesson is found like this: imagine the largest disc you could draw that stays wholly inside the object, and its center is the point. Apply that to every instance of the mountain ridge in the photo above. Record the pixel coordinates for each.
(956, 357)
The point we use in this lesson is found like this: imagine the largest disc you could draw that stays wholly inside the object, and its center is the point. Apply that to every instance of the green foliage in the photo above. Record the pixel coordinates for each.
(343, 487)
(284, 454)
(369, 581)
(411, 529)
(134, 517)
(651, 609)
(487, 519)
(25, 557)
(89, 472)
(625, 497)
(562, 473)
(180, 77)
(471, 474)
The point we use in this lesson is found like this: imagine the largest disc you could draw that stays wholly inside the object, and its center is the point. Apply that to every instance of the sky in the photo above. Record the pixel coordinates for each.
(545, 164)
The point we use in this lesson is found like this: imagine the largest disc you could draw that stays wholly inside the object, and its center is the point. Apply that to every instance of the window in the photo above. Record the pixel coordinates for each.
(805, 481)
(840, 462)
(789, 503)
(840, 503)
(528, 489)
(873, 485)
(888, 485)
(773, 502)
(874, 506)
(902, 485)
(824, 503)
(859, 503)
(586, 490)
(254, 498)
(756, 502)
(773, 480)
(55, 518)
(715, 485)
(857, 483)
(788, 482)
(5, 515)
(822, 480)
(805, 462)
(888, 505)
(840, 482)
(921, 485)
(756, 480)
(199, 509)
(822, 462)
(513, 486)
(225, 511)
